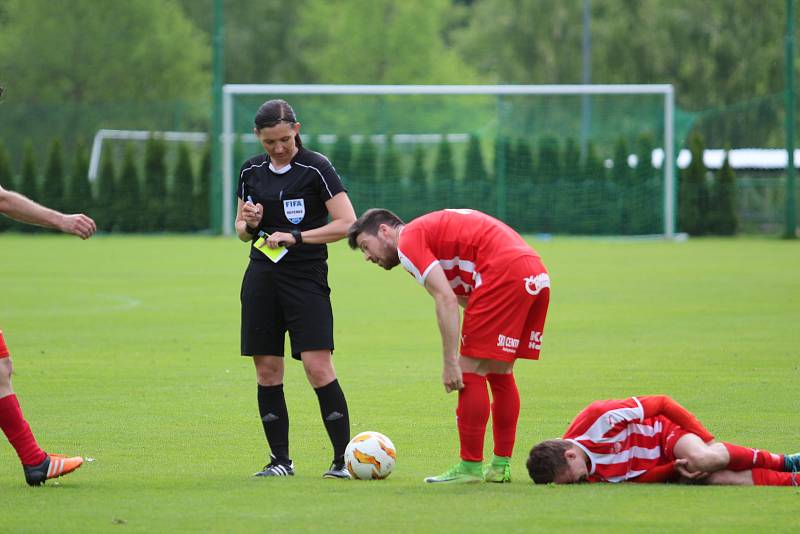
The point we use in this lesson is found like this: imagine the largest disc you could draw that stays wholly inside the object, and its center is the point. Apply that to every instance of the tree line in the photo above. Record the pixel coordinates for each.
(128, 195)
(542, 186)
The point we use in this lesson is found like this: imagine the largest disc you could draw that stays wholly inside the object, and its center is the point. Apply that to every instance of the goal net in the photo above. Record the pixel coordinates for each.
(564, 159)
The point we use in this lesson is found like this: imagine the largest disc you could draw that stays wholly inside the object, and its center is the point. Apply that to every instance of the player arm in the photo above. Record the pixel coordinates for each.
(658, 474)
(449, 325)
(654, 405)
(342, 217)
(25, 210)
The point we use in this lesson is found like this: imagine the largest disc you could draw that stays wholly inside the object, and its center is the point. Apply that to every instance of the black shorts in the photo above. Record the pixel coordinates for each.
(286, 296)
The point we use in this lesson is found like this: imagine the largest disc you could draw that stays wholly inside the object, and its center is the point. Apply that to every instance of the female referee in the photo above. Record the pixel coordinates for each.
(288, 195)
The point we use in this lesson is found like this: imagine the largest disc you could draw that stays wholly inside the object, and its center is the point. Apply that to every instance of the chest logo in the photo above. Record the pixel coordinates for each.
(294, 209)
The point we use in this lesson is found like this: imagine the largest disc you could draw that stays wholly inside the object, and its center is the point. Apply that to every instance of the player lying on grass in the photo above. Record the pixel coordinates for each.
(652, 439)
(37, 464)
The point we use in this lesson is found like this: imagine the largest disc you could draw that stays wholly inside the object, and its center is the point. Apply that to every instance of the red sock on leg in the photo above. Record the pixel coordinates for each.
(472, 415)
(505, 412)
(18, 432)
(766, 477)
(743, 458)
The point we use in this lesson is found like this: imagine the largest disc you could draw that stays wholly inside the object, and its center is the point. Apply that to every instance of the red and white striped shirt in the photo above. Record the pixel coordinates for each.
(623, 438)
(468, 244)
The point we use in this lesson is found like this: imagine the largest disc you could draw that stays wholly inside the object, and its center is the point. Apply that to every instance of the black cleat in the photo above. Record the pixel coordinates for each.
(277, 468)
(337, 470)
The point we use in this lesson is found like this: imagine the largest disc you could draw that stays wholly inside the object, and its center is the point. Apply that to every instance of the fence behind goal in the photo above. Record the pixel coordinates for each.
(560, 159)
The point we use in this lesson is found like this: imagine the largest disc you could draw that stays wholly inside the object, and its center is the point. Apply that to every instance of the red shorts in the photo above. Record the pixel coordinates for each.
(504, 318)
(670, 435)
(3, 348)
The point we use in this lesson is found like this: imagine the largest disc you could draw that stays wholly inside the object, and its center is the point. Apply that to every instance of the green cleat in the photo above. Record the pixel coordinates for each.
(498, 471)
(791, 462)
(462, 473)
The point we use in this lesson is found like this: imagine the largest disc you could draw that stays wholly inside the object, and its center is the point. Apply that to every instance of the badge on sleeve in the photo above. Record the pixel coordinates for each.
(294, 209)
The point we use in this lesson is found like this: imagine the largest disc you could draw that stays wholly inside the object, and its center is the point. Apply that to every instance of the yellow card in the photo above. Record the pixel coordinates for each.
(275, 254)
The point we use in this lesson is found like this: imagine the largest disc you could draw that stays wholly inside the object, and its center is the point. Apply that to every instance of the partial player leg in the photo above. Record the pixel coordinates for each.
(505, 413)
(711, 457)
(318, 365)
(37, 465)
(753, 477)
(274, 415)
(472, 416)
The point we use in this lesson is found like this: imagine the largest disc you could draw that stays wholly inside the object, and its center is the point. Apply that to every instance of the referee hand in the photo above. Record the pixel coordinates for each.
(252, 213)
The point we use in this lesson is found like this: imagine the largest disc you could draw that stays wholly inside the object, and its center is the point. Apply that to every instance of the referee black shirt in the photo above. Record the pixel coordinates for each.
(293, 199)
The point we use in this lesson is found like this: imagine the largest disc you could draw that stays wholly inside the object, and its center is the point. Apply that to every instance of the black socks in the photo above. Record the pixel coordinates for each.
(333, 407)
(275, 418)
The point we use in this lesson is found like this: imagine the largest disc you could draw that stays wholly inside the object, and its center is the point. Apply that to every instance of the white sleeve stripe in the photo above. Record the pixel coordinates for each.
(320, 175)
(639, 404)
(428, 270)
(241, 175)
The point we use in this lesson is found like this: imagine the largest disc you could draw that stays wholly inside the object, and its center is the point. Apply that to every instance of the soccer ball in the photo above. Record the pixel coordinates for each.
(369, 456)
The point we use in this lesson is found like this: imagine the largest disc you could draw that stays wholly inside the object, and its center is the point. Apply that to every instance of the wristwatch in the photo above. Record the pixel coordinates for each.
(250, 229)
(298, 237)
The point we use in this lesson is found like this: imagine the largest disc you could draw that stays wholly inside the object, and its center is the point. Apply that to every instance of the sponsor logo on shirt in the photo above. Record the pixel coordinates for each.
(508, 344)
(295, 210)
(535, 342)
(534, 284)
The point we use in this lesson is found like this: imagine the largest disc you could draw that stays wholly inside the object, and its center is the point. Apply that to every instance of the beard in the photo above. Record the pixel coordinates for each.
(391, 259)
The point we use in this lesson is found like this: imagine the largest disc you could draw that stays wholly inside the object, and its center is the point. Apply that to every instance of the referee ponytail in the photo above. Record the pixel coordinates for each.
(273, 112)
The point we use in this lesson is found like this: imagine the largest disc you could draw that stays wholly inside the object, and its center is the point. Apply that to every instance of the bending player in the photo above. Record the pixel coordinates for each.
(466, 257)
(37, 464)
(652, 439)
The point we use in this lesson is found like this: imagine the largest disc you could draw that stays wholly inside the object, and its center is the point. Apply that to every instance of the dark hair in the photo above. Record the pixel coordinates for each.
(369, 222)
(546, 460)
(273, 112)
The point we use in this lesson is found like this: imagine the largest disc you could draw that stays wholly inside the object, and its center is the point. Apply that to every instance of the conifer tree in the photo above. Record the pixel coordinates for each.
(390, 192)
(443, 175)
(181, 194)
(79, 197)
(200, 205)
(52, 194)
(723, 219)
(418, 183)
(155, 184)
(692, 192)
(28, 181)
(128, 204)
(6, 181)
(105, 210)
(475, 183)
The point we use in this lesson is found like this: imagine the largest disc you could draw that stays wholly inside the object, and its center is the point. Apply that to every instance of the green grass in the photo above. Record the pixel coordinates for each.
(126, 351)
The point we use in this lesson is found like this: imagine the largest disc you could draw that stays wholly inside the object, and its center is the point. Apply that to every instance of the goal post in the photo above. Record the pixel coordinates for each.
(518, 128)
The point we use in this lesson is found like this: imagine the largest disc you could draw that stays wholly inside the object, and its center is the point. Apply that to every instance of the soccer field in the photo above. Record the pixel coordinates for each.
(126, 352)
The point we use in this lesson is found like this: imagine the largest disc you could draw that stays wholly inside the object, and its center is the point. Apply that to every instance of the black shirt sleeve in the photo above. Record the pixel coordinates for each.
(330, 183)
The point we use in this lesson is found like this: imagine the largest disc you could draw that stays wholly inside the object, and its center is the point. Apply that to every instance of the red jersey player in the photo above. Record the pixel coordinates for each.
(466, 257)
(652, 439)
(37, 464)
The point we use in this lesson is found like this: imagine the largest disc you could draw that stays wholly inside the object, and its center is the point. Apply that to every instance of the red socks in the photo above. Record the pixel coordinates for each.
(18, 432)
(743, 458)
(765, 477)
(505, 412)
(472, 415)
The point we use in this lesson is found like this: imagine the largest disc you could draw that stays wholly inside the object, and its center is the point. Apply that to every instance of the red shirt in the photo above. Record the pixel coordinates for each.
(623, 438)
(468, 244)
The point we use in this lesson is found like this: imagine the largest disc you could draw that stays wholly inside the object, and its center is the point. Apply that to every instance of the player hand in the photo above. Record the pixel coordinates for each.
(683, 470)
(79, 225)
(452, 377)
(252, 213)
